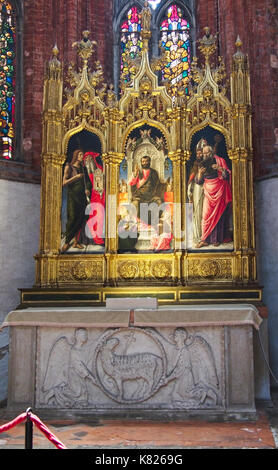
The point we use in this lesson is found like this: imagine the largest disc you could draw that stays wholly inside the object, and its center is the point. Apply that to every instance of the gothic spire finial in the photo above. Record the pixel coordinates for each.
(55, 50)
(208, 43)
(238, 42)
(54, 65)
(239, 54)
(85, 47)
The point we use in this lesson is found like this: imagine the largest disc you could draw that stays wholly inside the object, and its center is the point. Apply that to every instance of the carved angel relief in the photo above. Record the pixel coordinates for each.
(195, 376)
(64, 383)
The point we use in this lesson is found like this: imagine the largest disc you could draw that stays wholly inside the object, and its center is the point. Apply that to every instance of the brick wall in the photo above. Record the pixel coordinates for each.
(256, 23)
(48, 22)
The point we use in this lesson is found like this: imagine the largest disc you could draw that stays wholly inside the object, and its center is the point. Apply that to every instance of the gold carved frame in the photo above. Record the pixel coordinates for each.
(179, 276)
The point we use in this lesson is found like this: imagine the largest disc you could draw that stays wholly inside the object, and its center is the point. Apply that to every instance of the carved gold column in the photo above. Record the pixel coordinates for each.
(177, 213)
(176, 159)
(112, 169)
(185, 155)
(112, 164)
(113, 178)
(184, 258)
(51, 173)
(242, 155)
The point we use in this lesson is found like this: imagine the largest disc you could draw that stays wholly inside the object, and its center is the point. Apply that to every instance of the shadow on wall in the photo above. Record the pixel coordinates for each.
(19, 242)
(267, 249)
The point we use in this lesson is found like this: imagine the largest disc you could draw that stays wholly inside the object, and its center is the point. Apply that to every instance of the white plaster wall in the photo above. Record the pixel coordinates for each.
(19, 242)
(267, 248)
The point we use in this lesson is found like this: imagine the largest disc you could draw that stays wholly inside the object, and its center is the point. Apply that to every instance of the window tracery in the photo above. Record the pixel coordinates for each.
(131, 43)
(175, 40)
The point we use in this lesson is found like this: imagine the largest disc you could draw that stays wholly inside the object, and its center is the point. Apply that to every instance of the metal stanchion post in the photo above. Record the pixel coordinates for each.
(28, 431)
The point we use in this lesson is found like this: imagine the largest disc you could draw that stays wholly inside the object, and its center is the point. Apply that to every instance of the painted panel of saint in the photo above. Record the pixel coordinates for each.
(83, 205)
(145, 206)
(209, 192)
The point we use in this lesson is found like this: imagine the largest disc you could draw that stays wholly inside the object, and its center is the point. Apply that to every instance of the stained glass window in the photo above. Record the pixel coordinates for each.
(175, 40)
(7, 79)
(131, 43)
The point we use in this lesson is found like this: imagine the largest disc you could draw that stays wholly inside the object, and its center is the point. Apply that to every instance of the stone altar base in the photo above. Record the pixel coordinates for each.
(164, 361)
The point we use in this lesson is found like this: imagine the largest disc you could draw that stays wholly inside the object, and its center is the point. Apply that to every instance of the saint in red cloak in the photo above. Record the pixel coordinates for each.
(96, 218)
(217, 199)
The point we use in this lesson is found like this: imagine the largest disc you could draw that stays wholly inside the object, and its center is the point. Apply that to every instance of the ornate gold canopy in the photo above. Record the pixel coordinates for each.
(180, 274)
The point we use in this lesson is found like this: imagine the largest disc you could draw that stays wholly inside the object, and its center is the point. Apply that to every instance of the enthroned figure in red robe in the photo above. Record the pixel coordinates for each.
(215, 176)
(146, 186)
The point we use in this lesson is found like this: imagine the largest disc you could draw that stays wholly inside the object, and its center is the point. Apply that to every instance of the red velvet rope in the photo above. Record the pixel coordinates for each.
(43, 428)
(40, 425)
(21, 418)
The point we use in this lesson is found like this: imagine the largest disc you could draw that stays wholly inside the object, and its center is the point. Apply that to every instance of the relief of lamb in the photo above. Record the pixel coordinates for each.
(143, 369)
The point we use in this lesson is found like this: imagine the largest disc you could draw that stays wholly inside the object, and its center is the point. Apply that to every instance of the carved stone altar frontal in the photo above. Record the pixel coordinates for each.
(134, 368)
(199, 359)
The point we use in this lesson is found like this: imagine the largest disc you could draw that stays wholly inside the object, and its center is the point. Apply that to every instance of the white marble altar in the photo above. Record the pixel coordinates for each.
(178, 359)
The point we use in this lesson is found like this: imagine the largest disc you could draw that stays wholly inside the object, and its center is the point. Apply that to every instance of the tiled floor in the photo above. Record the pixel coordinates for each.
(116, 434)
